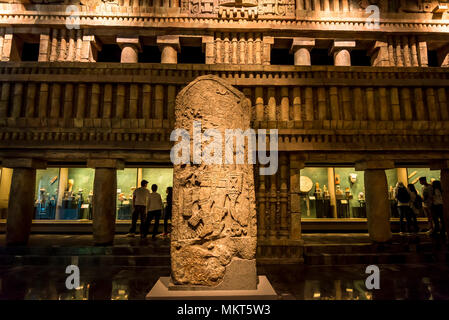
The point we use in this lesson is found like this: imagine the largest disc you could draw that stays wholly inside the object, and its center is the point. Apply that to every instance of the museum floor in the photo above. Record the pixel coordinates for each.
(411, 268)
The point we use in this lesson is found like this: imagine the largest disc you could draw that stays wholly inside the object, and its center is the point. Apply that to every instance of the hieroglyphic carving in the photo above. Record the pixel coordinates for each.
(236, 9)
(214, 215)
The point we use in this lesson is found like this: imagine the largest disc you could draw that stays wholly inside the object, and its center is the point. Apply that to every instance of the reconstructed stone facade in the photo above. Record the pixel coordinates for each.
(69, 108)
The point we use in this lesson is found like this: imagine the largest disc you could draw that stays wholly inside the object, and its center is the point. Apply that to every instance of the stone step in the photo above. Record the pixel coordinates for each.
(375, 258)
(86, 260)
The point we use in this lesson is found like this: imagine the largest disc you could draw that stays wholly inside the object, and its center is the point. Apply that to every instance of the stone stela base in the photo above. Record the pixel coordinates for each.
(161, 291)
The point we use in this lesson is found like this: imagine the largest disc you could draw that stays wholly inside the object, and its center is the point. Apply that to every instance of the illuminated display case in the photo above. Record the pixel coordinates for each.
(340, 192)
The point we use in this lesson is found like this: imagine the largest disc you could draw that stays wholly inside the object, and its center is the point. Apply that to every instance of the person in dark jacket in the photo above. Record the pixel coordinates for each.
(168, 209)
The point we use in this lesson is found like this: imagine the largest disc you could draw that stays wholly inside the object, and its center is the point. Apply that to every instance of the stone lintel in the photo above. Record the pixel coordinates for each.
(439, 164)
(118, 164)
(298, 43)
(373, 164)
(24, 163)
(129, 40)
(342, 44)
(169, 40)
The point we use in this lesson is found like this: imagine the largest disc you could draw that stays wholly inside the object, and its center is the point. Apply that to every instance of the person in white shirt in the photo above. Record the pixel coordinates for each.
(140, 201)
(154, 211)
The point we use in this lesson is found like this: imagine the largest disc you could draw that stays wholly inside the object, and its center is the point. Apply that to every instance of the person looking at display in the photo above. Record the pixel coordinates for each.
(437, 209)
(141, 197)
(168, 209)
(402, 196)
(427, 194)
(154, 211)
(415, 204)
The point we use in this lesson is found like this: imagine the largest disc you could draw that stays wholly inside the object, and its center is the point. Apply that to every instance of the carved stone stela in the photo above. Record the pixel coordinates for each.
(213, 243)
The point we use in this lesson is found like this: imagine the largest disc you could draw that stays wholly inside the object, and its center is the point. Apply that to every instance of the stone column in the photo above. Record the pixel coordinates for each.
(104, 199)
(422, 54)
(266, 51)
(63, 179)
(89, 48)
(169, 46)
(402, 175)
(21, 199)
(331, 189)
(341, 52)
(443, 56)
(130, 49)
(10, 50)
(377, 203)
(5, 186)
(295, 203)
(208, 44)
(301, 49)
(379, 55)
(44, 46)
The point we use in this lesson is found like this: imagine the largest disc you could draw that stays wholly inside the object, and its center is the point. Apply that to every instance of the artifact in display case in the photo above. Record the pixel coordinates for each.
(391, 193)
(318, 192)
(326, 192)
(45, 205)
(342, 202)
(360, 211)
(337, 179)
(70, 207)
(352, 178)
(125, 205)
(305, 185)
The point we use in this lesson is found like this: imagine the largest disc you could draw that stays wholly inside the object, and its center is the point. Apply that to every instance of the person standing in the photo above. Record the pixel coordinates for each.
(415, 205)
(154, 211)
(168, 209)
(402, 197)
(427, 193)
(140, 201)
(437, 209)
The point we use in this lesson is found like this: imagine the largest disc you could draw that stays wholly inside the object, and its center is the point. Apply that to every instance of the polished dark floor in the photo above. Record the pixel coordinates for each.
(103, 280)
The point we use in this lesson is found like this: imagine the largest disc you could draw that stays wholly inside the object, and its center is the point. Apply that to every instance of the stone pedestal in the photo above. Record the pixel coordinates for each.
(21, 199)
(301, 49)
(104, 199)
(341, 52)
(161, 291)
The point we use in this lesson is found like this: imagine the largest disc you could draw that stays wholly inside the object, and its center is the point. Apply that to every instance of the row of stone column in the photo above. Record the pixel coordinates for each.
(324, 5)
(87, 101)
(340, 51)
(21, 198)
(308, 103)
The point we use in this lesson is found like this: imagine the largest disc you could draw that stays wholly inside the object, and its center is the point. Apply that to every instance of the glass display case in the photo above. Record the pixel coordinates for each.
(77, 193)
(162, 177)
(46, 194)
(126, 184)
